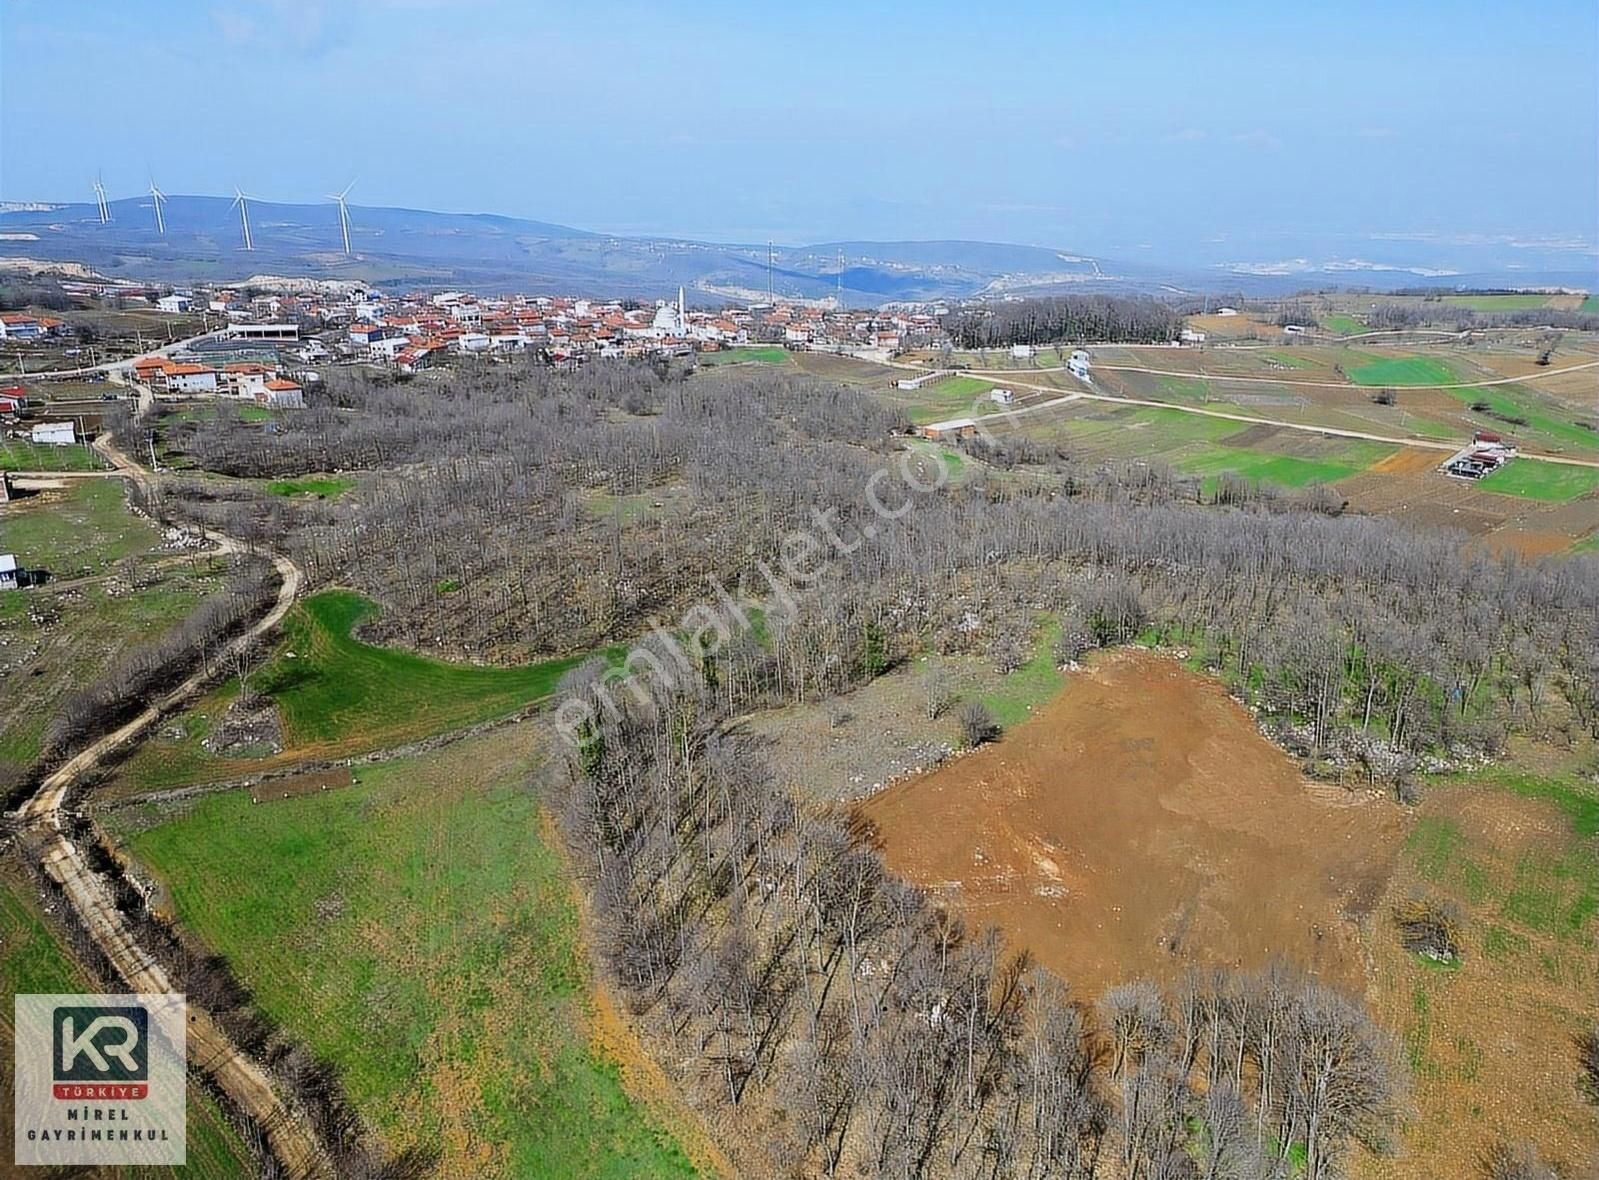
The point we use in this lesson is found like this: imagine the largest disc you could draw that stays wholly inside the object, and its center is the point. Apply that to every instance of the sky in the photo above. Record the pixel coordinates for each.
(1195, 132)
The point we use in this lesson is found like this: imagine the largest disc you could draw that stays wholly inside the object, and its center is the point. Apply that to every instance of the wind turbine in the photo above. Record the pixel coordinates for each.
(242, 202)
(344, 214)
(99, 197)
(156, 198)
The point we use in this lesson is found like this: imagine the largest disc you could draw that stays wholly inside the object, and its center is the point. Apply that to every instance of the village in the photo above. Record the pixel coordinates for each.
(262, 348)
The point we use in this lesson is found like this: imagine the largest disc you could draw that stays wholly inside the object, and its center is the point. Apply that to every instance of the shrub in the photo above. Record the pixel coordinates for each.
(977, 724)
(1588, 1058)
(1431, 928)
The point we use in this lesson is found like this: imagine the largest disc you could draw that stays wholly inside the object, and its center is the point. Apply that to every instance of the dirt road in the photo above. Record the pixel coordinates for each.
(43, 823)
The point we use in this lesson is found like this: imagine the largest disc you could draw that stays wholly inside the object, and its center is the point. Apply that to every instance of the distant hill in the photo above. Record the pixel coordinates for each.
(399, 248)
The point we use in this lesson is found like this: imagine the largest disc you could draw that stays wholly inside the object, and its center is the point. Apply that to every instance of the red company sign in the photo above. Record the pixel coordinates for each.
(101, 1091)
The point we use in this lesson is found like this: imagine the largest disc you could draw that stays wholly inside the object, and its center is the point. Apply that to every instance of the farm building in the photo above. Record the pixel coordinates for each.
(1001, 397)
(951, 430)
(174, 304)
(55, 434)
(1021, 352)
(10, 575)
(1487, 453)
(921, 380)
(1192, 336)
(1078, 364)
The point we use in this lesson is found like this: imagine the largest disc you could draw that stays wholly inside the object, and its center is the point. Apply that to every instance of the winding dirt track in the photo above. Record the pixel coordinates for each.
(42, 820)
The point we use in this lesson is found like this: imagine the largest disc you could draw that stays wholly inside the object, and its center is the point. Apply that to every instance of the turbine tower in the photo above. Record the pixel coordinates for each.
(242, 202)
(99, 198)
(344, 214)
(156, 198)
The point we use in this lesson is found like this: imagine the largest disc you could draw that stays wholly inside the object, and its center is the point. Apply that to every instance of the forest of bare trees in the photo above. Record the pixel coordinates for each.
(524, 512)
(1056, 319)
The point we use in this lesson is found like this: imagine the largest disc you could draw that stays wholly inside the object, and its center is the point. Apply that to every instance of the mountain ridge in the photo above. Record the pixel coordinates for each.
(399, 247)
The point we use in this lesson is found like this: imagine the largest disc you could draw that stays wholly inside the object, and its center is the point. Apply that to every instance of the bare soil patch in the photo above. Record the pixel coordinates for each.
(1138, 825)
(309, 783)
(1408, 461)
(1527, 542)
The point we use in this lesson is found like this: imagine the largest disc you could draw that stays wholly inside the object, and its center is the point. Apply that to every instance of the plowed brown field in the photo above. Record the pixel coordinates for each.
(1139, 824)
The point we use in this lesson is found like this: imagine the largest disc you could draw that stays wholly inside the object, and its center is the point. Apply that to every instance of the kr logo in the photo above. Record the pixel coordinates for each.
(100, 1044)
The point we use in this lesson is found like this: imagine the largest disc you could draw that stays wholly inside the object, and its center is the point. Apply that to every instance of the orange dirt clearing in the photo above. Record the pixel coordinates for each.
(1139, 825)
(1409, 461)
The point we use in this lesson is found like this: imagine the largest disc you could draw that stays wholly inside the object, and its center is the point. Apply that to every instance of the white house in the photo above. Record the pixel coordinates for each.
(281, 395)
(1078, 364)
(389, 347)
(474, 342)
(1021, 352)
(16, 326)
(9, 574)
(191, 379)
(55, 434)
(174, 304)
(1190, 336)
(1001, 397)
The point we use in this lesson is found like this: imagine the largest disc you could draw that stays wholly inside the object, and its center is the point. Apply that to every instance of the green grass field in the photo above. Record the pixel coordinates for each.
(1342, 325)
(332, 688)
(1287, 471)
(765, 354)
(34, 962)
(1538, 415)
(1542, 481)
(1402, 370)
(1200, 445)
(58, 639)
(1590, 305)
(326, 487)
(417, 932)
(18, 454)
(1519, 302)
(79, 530)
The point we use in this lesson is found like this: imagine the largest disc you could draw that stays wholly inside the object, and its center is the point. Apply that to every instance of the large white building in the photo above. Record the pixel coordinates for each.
(670, 320)
(55, 434)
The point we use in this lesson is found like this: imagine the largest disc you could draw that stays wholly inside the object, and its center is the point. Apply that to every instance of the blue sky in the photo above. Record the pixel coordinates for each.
(1252, 130)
